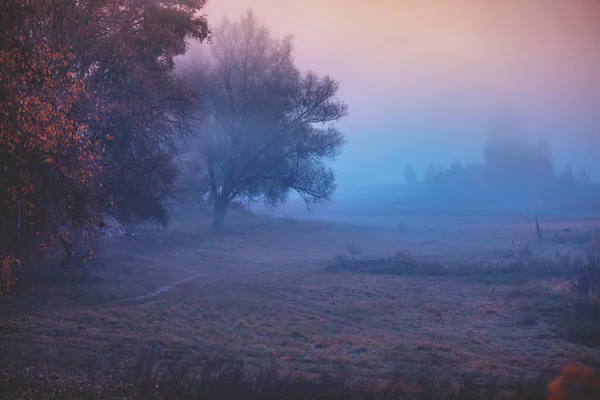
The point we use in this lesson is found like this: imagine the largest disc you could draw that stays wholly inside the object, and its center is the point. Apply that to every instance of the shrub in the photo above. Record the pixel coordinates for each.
(353, 251)
(575, 383)
(586, 284)
(582, 324)
(404, 258)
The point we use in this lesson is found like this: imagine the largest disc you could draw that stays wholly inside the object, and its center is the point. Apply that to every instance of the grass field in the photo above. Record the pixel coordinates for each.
(264, 293)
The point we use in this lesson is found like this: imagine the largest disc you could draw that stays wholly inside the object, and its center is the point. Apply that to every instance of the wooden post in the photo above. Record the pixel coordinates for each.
(537, 227)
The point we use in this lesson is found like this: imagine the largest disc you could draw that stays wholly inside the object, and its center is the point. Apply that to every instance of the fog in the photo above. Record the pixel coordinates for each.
(426, 79)
(400, 200)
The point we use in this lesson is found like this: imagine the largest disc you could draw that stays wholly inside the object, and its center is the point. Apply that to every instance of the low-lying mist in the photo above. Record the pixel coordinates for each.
(175, 221)
(515, 175)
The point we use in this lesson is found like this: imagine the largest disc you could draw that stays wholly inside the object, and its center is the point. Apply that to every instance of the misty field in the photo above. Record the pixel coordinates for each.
(285, 291)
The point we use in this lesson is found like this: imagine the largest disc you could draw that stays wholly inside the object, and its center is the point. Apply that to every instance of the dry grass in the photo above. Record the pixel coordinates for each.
(265, 295)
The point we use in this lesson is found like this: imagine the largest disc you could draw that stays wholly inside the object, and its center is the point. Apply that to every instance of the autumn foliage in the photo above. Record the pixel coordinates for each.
(48, 160)
(90, 114)
(575, 383)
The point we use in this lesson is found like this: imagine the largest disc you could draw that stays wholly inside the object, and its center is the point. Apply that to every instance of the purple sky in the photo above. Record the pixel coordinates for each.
(425, 78)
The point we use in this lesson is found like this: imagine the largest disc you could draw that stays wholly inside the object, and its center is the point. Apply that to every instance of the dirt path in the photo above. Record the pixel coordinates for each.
(175, 288)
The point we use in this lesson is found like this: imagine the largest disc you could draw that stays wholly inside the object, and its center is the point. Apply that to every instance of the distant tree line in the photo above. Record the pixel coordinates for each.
(94, 116)
(511, 166)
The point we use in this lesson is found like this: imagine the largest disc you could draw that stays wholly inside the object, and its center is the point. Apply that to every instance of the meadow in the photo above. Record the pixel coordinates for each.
(443, 294)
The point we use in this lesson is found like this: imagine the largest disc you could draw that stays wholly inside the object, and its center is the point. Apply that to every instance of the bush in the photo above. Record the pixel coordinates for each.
(403, 263)
(586, 283)
(404, 258)
(582, 325)
(524, 266)
(576, 383)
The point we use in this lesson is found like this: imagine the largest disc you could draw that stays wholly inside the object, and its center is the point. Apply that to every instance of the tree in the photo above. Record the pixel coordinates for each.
(583, 176)
(260, 139)
(126, 51)
(193, 179)
(430, 174)
(410, 175)
(48, 168)
(49, 164)
(567, 177)
(511, 161)
(90, 115)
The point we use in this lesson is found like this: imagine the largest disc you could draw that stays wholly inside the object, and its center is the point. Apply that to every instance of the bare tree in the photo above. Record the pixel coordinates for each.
(353, 251)
(267, 127)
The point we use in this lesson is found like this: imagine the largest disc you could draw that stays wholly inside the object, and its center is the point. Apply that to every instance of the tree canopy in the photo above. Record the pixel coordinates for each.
(90, 115)
(267, 128)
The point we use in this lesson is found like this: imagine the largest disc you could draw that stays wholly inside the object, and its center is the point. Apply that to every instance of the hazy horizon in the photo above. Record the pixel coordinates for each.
(171, 225)
(425, 79)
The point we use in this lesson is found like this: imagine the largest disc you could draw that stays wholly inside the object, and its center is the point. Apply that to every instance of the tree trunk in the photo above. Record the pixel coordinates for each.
(219, 211)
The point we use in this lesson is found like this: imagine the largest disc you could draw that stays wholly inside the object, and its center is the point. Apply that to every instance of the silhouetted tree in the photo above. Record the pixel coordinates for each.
(511, 161)
(410, 175)
(454, 178)
(430, 174)
(566, 177)
(260, 138)
(583, 176)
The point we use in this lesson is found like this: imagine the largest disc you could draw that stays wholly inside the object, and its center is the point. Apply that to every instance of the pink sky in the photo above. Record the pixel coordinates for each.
(423, 78)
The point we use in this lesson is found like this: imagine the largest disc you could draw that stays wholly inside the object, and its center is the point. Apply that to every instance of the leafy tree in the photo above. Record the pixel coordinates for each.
(48, 168)
(260, 139)
(90, 115)
(126, 51)
(49, 164)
